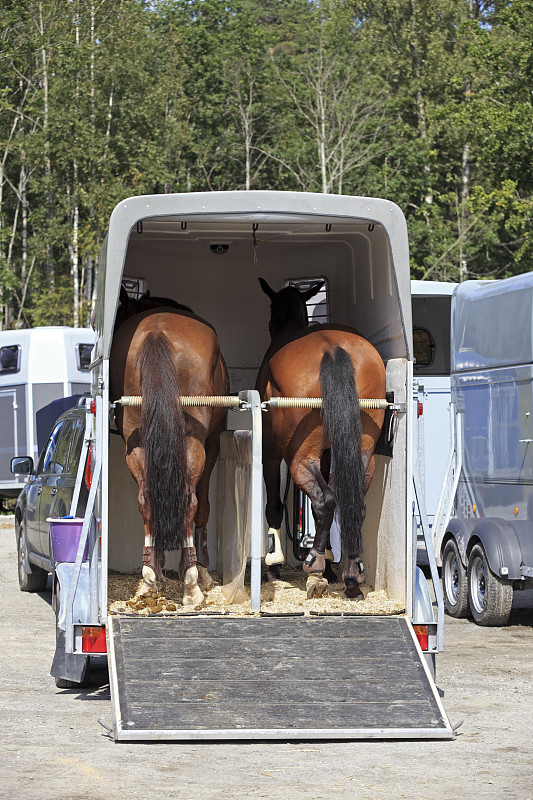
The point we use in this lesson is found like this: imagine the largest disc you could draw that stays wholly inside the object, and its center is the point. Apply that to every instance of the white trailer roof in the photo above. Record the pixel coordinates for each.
(432, 288)
(492, 323)
(163, 238)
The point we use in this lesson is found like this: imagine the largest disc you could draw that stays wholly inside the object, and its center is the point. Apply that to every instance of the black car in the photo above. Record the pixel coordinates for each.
(48, 493)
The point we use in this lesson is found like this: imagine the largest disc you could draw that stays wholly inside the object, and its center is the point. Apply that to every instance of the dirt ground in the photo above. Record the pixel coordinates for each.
(53, 744)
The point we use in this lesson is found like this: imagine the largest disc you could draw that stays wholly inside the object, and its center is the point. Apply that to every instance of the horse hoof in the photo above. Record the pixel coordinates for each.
(205, 581)
(272, 574)
(353, 591)
(149, 581)
(193, 597)
(316, 586)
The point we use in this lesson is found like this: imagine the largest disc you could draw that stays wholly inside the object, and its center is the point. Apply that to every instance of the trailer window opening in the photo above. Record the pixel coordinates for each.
(84, 356)
(10, 359)
(135, 287)
(423, 347)
(317, 306)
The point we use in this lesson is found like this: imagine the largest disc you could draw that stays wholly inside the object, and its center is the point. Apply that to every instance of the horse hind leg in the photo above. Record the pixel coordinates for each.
(152, 562)
(274, 514)
(189, 568)
(353, 573)
(310, 479)
(212, 448)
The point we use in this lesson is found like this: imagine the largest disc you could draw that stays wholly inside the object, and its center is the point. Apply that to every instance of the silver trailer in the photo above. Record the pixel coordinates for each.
(483, 531)
(210, 676)
(37, 366)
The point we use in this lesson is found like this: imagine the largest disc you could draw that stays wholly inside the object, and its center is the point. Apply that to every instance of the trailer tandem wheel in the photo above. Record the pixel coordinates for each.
(454, 582)
(490, 597)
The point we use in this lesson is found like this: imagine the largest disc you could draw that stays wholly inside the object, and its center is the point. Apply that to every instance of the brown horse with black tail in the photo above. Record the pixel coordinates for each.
(163, 354)
(335, 363)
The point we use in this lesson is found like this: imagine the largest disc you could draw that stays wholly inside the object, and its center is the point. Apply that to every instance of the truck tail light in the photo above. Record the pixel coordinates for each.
(422, 634)
(93, 639)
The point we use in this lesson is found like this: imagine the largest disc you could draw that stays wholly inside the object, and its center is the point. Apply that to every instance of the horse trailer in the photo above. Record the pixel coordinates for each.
(483, 529)
(37, 366)
(204, 675)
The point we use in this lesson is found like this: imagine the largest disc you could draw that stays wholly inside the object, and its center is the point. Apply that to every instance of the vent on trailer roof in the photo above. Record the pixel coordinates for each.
(317, 306)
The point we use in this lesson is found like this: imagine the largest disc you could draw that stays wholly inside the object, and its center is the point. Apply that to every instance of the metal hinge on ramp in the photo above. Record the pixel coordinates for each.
(211, 677)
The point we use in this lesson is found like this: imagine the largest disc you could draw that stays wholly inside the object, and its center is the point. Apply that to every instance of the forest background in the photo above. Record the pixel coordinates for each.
(427, 103)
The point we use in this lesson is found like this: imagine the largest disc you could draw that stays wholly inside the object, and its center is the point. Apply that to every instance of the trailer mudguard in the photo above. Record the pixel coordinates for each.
(507, 545)
(68, 666)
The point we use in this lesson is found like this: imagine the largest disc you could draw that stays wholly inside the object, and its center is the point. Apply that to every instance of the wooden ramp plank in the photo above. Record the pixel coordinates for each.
(282, 677)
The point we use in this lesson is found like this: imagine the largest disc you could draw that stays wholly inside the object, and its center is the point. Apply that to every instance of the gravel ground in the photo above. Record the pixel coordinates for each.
(54, 746)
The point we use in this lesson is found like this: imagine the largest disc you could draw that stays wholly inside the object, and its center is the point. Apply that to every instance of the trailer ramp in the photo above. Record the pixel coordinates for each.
(285, 677)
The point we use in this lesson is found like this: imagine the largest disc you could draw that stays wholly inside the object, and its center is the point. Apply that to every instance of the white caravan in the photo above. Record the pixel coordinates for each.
(37, 366)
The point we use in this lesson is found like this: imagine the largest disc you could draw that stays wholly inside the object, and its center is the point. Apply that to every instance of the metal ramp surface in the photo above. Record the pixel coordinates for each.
(319, 677)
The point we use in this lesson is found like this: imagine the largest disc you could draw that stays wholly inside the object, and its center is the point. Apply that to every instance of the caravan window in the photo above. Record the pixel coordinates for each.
(10, 358)
(83, 356)
(317, 306)
(423, 346)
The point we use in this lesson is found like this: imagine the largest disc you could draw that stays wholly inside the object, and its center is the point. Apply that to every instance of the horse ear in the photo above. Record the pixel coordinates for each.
(123, 297)
(315, 288)
(266, 288)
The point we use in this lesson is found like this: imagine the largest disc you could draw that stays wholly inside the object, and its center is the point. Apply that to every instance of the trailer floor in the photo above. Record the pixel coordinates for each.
(298, 677)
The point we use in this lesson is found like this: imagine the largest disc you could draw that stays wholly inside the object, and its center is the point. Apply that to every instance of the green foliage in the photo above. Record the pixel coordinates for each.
(428, 105)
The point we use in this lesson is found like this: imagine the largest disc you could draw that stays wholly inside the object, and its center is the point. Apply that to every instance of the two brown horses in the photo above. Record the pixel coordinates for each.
(335, 363)
(162, 353)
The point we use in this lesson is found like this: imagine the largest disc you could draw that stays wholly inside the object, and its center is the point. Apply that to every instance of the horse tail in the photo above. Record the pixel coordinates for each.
(341, 419)
(163, 438)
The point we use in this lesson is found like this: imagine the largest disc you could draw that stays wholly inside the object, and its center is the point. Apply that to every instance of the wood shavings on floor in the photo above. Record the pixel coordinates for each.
(285, 596)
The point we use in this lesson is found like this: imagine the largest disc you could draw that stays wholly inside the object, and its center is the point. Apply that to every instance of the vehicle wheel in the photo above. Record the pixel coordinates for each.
(490, 597)
(37, 579)
(454, 583)
(62, 683)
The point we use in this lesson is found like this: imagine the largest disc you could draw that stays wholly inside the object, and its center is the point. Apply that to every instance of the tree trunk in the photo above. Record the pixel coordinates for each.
(47, 161)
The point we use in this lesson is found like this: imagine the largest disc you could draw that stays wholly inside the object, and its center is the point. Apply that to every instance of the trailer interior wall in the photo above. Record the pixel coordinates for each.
(174, 254)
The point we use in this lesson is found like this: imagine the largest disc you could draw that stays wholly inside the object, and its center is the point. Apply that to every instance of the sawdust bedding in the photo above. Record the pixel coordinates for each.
(285, 596)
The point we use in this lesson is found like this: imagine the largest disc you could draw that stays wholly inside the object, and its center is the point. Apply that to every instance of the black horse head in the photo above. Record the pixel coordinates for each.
(289, 305)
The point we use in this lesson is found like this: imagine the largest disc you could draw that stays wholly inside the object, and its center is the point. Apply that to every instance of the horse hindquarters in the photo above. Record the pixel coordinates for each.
(169, 497)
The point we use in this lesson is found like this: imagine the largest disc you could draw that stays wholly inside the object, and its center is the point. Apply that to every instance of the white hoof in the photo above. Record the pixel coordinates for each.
(193, 595)
(205, 581)
(149, 581)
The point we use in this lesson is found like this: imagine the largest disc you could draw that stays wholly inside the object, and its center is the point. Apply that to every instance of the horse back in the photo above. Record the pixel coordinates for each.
(293, 370)
(195, 346)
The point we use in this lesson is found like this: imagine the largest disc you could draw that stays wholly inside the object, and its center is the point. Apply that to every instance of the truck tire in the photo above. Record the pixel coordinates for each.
(37, 579)
(490, 597)
(454, 582)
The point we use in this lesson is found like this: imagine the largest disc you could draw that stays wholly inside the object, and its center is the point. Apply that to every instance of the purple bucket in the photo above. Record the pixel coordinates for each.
(65, 535)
